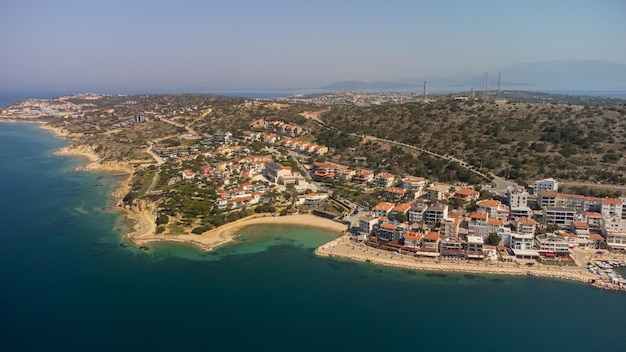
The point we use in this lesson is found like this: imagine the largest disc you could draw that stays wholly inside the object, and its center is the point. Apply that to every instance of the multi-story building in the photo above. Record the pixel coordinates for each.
(525, 225)
(416, 213)
(436, 213)
(430, 244)
(547, 198)
(559, 216)
(384, 180)
(518, 202)
(616, 240)
(478, 224)
(452, 246)
(595, 221)
(552, 243)
(222, 137)
(273, 171)
(414, 184)
(367, 223)
(383, 209)
(363, 176)
(519, 241)
(494, 208)
(505, 234)
(438, 192)
(612, 207)
(474, 248)
(450, 226)
(549, 184)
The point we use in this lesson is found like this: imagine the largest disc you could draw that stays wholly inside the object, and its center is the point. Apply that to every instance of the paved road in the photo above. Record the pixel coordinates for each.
(501, 184)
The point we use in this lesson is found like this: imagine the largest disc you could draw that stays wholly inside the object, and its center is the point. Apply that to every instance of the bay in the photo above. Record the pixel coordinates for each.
(67, 284)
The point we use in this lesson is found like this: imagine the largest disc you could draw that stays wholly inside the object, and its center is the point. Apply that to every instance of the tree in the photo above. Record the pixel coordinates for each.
(400, 217)
(494, 239)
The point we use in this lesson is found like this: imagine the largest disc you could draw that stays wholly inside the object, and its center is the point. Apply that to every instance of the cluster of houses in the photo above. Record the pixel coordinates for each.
(233, 195)
(289, 143)
(577, 222)
(282, 128)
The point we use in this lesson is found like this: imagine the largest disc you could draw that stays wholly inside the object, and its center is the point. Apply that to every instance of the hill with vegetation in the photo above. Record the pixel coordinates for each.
(521, 141)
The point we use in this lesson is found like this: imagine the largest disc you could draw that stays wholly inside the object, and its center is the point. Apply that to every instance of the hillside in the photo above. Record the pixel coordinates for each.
(521, 141)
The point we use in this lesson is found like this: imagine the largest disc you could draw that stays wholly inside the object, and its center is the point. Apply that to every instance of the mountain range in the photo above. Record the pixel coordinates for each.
(563, 75)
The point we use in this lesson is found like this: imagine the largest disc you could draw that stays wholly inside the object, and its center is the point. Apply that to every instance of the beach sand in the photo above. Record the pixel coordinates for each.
(228, 232)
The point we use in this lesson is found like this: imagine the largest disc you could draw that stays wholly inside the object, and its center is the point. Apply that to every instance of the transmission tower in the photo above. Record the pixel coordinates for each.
(498, 94)
(486, 86)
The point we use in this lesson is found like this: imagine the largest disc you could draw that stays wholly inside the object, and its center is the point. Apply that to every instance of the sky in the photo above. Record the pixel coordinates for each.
(135, 45)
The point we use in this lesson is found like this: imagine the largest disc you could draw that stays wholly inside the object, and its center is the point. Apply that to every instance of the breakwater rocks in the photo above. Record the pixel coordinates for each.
(341, 248)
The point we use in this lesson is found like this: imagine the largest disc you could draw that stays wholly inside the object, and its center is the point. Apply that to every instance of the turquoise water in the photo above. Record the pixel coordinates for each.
(66, 284)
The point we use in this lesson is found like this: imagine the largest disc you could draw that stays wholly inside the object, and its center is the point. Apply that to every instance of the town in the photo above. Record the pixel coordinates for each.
(197, 179)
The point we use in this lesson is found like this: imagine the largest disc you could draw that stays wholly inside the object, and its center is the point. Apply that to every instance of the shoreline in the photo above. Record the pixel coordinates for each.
(226, 233)
(144, 225)
(345, 249)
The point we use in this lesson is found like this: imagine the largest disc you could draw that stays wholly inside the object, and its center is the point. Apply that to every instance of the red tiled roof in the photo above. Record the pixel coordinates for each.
(526, 221)
(402, 207)
(384, 206)
(611, 201)
(432, 236)
(466, 192)
(489, 203)
(388, 226)
(478, 215)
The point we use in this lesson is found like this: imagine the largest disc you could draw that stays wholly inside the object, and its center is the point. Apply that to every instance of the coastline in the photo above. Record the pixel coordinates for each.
(345, 249)
(144, 218)
(228, 232)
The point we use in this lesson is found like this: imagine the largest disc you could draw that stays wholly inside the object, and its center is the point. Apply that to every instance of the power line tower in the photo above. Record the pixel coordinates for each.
(486, 86)
(498, 93)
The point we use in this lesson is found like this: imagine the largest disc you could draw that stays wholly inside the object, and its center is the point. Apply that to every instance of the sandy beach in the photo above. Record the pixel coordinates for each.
(228, 232)
(144, 218)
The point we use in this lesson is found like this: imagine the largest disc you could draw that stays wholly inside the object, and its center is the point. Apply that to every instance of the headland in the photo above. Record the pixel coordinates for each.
(202, 167)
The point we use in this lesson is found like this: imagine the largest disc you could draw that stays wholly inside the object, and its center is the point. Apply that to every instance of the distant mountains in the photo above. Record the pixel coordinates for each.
(563, 75)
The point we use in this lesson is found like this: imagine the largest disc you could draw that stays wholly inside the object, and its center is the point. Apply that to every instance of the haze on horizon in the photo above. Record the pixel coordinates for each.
(192, 45)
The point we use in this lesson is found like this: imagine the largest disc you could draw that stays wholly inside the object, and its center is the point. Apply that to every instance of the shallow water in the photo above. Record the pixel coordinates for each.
(66, 283)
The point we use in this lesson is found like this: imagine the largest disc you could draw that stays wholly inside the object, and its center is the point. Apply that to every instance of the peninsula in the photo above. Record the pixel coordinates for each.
(447, 183)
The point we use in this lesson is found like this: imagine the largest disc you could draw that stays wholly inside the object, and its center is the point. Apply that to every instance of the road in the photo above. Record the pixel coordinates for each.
(501, 184)
(593, 185)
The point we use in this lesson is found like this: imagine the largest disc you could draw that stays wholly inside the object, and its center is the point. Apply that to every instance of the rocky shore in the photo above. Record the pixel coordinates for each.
(344, 248)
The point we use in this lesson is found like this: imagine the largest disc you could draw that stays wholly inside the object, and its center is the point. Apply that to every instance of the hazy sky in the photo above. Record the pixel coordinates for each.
(185, 44)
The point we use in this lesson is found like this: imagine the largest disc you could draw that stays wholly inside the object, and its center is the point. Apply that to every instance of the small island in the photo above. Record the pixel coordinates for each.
(448, 183)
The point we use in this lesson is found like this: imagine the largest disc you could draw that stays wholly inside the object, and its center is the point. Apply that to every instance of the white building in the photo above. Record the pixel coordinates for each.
(523, 242)
(505, 234)
(552, 243)
(518, 202)
(616, 240)
(549, 184)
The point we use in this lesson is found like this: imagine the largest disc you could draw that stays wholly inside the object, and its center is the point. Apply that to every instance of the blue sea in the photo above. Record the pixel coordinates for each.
(68, 282)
